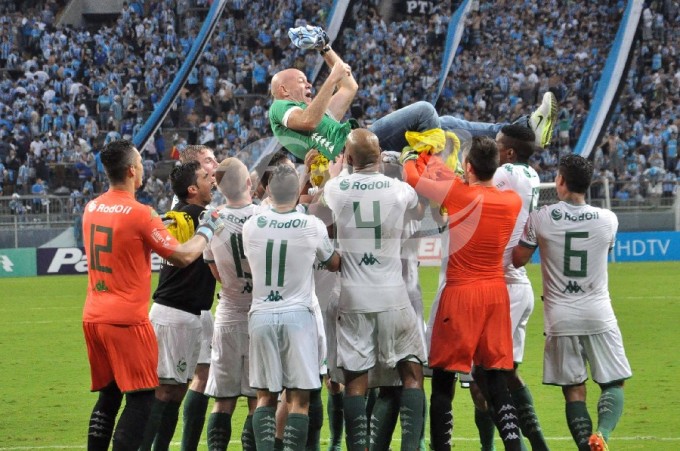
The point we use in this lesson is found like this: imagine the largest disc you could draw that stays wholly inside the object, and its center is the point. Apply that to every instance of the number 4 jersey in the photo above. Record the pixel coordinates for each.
(368, 210)
(281, 248)
(574, 242)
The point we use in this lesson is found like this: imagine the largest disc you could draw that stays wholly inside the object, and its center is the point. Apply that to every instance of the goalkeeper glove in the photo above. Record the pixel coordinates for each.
(210, 222)
(308, 37)
(408, 153)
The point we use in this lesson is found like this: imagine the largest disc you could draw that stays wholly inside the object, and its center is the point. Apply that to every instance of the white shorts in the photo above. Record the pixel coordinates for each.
(228, 376)
(521, 306)
(321, 335)
(366, 339)
(330, 319)
(208, 324)
(178, 334)
(284, 351)
(565, 358)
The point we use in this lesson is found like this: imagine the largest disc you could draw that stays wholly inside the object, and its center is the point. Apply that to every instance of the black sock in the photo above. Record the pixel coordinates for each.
(441, 411)
(503, 409)
(103, 418)
(152, 425)
(132, 422)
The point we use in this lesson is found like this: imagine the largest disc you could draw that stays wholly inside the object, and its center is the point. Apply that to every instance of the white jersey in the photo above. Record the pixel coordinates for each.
(574, 241)
(226, 251)
(369, 216)
(409, 264)
(523, 180)
(281, 248)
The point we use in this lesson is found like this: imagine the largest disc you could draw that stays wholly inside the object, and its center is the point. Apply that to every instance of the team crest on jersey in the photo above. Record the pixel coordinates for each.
(181, 366)
(344, 185)
(556, 214)
(262, 222)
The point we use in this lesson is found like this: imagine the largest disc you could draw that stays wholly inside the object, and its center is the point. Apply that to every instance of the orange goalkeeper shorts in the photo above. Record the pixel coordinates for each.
(472, 325)
(125, 354)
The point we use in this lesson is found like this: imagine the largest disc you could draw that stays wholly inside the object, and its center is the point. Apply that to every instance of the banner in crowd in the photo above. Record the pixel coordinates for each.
(17, 262)
(629, 247)
(453, 36)
(417, 7)
(611, 78)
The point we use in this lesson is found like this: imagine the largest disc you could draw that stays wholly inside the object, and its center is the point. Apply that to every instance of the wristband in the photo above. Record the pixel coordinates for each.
(206, 232)
(325, 50)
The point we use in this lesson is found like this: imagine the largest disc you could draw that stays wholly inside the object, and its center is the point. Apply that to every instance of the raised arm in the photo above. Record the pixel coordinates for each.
(433, 190)
(309, 118)
(347, 87)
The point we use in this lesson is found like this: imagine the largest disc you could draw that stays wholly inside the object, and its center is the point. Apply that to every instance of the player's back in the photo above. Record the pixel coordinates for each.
(281, 248)
(481, 220)
(226, 251)
(118, 233)
(574, 243)
(523, 180)
(369, 213)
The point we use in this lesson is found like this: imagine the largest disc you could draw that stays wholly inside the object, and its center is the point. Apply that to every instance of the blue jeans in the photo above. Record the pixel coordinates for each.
(421, 116)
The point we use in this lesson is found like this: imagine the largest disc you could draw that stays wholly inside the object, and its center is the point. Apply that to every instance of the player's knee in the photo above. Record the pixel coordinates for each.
(442, 384)
(110, 398)
(140, 401)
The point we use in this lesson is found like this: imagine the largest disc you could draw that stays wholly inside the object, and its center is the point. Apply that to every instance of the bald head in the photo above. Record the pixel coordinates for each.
(363, 149)
(291, 84)
(232, 178)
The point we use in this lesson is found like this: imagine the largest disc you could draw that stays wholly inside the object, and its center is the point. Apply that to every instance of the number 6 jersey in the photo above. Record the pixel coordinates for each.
(574, 242)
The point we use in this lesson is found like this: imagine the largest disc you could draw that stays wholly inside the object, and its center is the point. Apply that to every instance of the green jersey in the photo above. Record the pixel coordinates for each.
(328, 137)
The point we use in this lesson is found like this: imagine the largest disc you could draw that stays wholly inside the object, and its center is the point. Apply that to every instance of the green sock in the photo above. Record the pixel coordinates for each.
(384, 419)
(371, 397)
(486, 429)
(295, 432)
(166, 428)
(609, 410)
(423, 445)
(264, 428)
(195, 405)
(355, 423)
(315, 421)
(219, 431)
(152, 424)
(528, 421)
(335, 420)
(580, 424)
(412, 420)
(248, 436)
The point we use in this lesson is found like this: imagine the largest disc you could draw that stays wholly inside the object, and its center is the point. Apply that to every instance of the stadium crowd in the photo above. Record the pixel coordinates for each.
(66, 92)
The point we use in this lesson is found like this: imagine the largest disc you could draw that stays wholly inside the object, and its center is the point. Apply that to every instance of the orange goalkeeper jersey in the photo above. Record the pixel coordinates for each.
(119, 235)
(481, 220)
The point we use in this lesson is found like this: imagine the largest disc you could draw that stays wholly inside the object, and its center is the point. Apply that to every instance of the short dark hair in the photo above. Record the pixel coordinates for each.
(117, 157)
(182, 177)
(577, 172)
(483, 156)
(284, 184)
(275, 161)
(521, 139)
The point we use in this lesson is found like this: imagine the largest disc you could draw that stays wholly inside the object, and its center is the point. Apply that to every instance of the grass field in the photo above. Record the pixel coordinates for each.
(46, 402)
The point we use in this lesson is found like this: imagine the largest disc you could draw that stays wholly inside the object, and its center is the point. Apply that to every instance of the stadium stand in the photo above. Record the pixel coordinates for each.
(65, 91)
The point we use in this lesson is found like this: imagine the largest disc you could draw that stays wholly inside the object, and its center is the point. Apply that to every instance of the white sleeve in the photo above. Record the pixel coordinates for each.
(529, 236)
(501, 179)
(286, 115)
(410, 196)
(324, 250)
(208, 256)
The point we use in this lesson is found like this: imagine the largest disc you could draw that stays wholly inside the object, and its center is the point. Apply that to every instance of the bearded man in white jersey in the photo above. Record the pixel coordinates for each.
(376, 323)
(574, 240)
(228, 376)
(281, 245)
